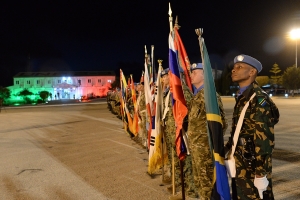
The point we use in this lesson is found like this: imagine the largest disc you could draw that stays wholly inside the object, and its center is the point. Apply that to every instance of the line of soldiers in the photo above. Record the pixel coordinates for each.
(113, 102)
(253, 156)
(114, 105)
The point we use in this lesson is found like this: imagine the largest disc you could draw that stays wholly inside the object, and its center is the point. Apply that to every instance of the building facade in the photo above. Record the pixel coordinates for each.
(64, 85)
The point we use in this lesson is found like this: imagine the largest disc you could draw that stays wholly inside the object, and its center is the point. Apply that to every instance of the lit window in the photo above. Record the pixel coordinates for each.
(89, 80)
(17, 82)
(109, 81)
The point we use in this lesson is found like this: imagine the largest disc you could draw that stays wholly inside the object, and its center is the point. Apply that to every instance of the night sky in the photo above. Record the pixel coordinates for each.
(109, 34)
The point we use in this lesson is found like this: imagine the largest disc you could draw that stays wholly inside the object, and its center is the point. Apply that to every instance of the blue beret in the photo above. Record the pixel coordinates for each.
(248, 60)
(164, 72)
(196, 66)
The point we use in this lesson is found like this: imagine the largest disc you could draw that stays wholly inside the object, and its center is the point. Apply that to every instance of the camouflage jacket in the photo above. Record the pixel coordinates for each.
(197, 126)
(258, 125)
(168, 121)
(141, 102)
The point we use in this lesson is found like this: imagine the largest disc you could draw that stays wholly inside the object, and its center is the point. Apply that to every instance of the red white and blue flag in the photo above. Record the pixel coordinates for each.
(180, 109)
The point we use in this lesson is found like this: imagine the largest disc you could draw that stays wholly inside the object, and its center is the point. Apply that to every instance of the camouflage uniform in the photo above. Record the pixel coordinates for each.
(130, 105)
(170, 130)
(254, 148)
(141, 103)
(113, 101)
(108, 100)
(199, 146)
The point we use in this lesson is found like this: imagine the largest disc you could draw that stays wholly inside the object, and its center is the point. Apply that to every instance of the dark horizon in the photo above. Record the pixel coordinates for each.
(104, 35)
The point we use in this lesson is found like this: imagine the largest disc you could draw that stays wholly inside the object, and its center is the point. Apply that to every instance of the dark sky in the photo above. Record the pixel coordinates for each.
(107, 34)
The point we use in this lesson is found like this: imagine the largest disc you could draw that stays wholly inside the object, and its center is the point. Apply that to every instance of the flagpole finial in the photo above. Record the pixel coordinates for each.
(146, 51)
(170, 11)
(199, 31)
(170, 17)
(160, 62)
(176, 23)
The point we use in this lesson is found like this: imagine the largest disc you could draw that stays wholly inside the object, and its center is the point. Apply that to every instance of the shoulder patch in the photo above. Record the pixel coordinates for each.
(262, 100)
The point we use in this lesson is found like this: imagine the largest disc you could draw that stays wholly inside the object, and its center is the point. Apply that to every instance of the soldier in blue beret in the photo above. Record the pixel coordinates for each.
(255, 144)
(197, 134)
(169, 127)
(164, 72)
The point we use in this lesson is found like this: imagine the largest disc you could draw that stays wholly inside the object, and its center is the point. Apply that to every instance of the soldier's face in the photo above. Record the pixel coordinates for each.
(197, 77)
(141, 87)
(138, 88)
(242, 72)
(166, 80)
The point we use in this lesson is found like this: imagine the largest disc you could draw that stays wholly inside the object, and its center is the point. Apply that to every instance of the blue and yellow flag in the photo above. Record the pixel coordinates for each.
(214, 121)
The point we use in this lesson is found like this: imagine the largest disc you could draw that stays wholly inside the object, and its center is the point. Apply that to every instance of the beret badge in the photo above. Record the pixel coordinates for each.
(240, 58)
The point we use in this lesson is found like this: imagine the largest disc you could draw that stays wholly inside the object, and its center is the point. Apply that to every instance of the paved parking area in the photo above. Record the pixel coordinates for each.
(80, 151)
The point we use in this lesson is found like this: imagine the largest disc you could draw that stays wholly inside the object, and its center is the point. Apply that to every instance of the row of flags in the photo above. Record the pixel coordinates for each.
(179, 74)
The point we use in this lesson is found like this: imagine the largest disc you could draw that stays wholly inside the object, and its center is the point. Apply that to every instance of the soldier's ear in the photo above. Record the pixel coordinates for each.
(252, 71)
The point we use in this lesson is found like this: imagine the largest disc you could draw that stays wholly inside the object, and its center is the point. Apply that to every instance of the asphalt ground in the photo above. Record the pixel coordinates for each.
(75, 151)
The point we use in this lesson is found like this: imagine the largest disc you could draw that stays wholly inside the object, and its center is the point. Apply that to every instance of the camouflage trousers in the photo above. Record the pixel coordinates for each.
(142, 133)
(202, 168)
(243, 185)
(187, 164)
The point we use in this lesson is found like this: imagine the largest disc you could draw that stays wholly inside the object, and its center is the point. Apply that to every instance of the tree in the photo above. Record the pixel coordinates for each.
(4, 93)
(44, 95)
(262, 80)
(291, 78)
(116, 83)
(275, 80)
(25, 93)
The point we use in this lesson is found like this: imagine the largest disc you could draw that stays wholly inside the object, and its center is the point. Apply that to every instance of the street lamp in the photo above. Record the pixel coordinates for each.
(295, 35)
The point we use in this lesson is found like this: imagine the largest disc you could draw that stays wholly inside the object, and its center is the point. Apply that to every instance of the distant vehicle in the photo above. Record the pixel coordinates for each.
(274, 91)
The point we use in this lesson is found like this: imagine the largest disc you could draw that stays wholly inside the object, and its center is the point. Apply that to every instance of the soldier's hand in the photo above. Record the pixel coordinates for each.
(261, 184)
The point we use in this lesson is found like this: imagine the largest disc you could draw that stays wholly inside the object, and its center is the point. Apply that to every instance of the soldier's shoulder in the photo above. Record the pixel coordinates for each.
(262, 97)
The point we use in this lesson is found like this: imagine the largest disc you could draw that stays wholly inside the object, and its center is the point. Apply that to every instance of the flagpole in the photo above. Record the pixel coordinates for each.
(162, 139)
(181, 162)
(199, 32)
(152, 61)
(172, 153)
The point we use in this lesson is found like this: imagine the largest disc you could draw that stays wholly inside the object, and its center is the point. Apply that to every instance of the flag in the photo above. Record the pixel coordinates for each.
(155, 150)
(127, 120)
(179, 104)
(183, 59)
(135, 125)
(148, 98)
(123, 86)
(214, 121)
